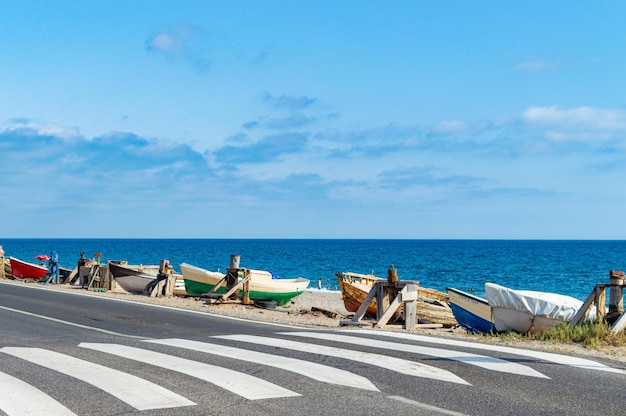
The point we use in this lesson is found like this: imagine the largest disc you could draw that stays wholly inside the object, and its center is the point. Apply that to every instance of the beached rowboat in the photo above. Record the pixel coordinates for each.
(471, 312)
(135, 278)
(527, 311)
(262, 286)
(432, 305)
(24, 270)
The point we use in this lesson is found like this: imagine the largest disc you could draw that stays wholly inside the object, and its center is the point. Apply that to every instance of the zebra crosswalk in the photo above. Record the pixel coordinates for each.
(20, 397)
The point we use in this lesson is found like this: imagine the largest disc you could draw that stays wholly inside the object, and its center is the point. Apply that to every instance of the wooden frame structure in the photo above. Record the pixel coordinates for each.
(598, 298)
(390, 295)
(233, 285)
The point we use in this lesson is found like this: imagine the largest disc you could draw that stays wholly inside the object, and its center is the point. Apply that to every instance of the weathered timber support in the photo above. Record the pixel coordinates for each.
(389, 297)
(616, 293)
(597, 297)
(234, 283)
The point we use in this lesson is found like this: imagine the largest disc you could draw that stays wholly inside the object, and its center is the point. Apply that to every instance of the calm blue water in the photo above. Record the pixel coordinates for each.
(566, 267)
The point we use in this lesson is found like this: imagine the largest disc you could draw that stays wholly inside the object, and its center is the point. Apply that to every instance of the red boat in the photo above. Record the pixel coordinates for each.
(23, 270)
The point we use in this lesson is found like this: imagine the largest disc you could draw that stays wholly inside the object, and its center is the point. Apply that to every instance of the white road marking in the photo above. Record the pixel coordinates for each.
(137, 392)
(319, 372)
(546, 356)
(21, 399)
(151, 305)
(489, 363)
(59, 321)
(426, 406)
(244, 385)
(399, 365)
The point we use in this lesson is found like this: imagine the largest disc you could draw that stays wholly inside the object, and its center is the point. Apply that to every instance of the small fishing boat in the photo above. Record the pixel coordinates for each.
(527, 311)
(471, 312)
(432, 305)
(24, 270)
(263, 286)
(132, 278)
(136, 278)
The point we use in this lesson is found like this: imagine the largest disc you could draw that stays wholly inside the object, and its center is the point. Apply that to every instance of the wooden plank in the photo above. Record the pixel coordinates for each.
(171, 285)
(214, 288)
(393, 307)
(580, 315)
(236, 287)
(620, 324)
(409, 300)
(155, 290)
(616, 293)
(600, 304)
(93, 273)
(367, 302)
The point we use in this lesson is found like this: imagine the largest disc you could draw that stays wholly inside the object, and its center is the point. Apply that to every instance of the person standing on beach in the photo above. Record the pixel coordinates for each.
(1, 262)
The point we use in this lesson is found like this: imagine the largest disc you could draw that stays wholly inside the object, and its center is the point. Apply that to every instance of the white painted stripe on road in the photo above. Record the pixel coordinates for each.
(137, 392)
(244, 385)
(545, 356)
(319, 372)
(483, 361)
(399, 365)
(21, 399)
(149, 305)
(59, 321)
(426, 406)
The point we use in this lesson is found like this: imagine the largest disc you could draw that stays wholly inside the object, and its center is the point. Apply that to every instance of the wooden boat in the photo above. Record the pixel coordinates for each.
(432, 305)
(262, 286)
(527, 311)
(24, 270)
(6, 268)
(471, 312)
(133, 279)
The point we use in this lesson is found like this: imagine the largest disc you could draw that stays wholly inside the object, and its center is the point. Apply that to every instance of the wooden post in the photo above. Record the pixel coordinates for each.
(387, 293)
(409, 300)
(392, 274)
(170, 282)
(580, 315)
(616, 293)
(600, 303)
(232, 272)
(245, 298)
(384, 297)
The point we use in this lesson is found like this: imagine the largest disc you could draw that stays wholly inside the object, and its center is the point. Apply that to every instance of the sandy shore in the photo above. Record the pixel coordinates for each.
(324, 310)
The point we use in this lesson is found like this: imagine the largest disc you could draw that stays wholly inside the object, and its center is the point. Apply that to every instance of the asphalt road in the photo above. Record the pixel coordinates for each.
(62, 353)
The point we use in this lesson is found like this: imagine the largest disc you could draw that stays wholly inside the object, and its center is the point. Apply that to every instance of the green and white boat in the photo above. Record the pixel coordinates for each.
(262, 286)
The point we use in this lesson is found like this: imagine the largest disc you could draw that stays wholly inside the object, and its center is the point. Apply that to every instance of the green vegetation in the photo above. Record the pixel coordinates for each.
(593, 335)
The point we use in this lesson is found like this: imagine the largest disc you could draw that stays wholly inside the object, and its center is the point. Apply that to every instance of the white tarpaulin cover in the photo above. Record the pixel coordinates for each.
(531, 304)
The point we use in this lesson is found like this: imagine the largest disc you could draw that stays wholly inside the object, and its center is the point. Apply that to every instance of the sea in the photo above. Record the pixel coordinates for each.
(559, 266)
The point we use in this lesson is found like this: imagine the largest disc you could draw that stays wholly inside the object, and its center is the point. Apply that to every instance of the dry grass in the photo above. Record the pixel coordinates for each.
(593, 335)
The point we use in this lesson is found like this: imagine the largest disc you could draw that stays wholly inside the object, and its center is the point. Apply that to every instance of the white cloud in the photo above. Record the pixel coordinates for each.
(34, 128)
(165, 43)
(577, 123)
(177, 44)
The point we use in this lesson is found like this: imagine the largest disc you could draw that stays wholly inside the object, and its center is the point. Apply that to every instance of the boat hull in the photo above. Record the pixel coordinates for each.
(471, 312)
(432, 305)
(24, 270)
(133, 279)
(199, 281)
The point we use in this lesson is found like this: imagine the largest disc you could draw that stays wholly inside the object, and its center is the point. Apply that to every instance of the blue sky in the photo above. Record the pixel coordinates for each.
(316, 119)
